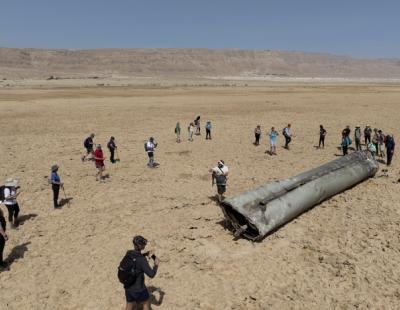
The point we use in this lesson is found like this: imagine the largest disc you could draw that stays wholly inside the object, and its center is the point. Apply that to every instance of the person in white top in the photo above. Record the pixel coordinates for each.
(150, 146)
(10, 200)
(220, 176)
(190, 131)
(288, 136)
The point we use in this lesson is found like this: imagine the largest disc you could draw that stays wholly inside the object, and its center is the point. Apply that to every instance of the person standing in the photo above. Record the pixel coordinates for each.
(178, 132)
(112, 147)
(150, 146)
(381, 142)
(273, 136)
(55, 185)
(136, 263)
(197, 124)
(322, 134)
(345, 144)
(3, 239)
(357, 138)
(375, 138)
(99, 163)
(10, 200)
(367, 134)
(88, 144)
(220, 176)
(208, 130)
(288, 136)
(257, 134)
(372, 149)
(390, 144)
(190, 131)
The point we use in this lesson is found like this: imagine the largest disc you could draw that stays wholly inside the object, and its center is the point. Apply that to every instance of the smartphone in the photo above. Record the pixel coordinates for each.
(153, 257)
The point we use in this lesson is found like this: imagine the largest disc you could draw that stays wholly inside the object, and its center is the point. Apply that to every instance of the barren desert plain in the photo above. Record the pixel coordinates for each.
(342, 254)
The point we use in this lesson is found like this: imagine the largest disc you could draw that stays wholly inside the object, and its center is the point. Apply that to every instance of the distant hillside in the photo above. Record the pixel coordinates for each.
(35, 63)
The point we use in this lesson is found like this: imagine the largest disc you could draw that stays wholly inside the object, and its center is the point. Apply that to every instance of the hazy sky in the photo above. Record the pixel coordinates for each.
(361, 28)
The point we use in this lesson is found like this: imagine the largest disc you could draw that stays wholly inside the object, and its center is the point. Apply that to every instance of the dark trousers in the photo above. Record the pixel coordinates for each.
(13, 211)
(321, 141)
(367, 139)
(2, 244)
(208, 134)
(287, 141)
(257, 138)
(358, 144)
(112, 155)
(345, 149)
(56, 192)
(389, 156)
(377, 148)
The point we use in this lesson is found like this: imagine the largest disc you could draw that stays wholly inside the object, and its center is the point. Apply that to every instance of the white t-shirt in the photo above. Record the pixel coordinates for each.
(8, 193)
(150, 147)
(224, 170)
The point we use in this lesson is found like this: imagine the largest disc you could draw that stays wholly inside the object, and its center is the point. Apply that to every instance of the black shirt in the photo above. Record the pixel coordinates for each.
(111, 145)
(142, 267)
(88, 142)
(3, 222)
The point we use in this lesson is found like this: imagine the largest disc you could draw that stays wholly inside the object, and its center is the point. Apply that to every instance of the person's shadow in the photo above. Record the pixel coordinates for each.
(26, 217)
(16, 253)
(153, 297)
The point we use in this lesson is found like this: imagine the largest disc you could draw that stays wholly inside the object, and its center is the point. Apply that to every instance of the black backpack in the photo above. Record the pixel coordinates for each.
(2, 188)
(126, 271)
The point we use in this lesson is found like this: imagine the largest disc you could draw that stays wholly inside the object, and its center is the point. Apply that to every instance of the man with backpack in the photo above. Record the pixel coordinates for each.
(10, 200)
(55, 185)
(149, 147)
(220, 176)
(88, 144)
(357, 138)
(131, 273)
(288, 136)
(112, 147)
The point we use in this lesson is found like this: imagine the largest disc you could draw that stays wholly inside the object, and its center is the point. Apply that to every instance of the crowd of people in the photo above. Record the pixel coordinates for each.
(135, 263)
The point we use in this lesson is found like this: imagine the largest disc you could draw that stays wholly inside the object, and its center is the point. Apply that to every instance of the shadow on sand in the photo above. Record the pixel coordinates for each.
(16, 253)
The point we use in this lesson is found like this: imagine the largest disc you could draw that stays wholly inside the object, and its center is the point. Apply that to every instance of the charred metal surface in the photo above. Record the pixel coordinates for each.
(256, 213)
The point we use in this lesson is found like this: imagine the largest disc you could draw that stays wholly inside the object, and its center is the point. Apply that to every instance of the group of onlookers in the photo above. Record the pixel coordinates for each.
(375, 141)
(273, 137)
(193, 128)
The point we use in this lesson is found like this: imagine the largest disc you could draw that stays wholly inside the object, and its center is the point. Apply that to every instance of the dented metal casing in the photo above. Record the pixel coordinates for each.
(256, 213)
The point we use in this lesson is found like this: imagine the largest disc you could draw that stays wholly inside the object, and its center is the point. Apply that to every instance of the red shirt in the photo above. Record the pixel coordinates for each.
(99, 154)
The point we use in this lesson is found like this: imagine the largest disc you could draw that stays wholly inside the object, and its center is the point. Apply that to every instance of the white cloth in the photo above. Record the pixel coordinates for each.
(223, 171)
(8, 193)
(150, 147)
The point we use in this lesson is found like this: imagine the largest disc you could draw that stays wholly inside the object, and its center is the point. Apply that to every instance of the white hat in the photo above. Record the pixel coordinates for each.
(10, 182)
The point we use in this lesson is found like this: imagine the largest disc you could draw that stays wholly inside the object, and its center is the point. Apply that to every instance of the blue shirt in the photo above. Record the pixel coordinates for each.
(55, 177)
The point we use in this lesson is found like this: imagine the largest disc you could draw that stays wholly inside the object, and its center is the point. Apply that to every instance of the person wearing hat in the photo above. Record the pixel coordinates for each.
(55, 185)
(99, 162)
(88, 144)
(10, 200)
(111, 146)
(137, 293)
(3, 239)
(150, 146)
(220, 176)
(357, 138)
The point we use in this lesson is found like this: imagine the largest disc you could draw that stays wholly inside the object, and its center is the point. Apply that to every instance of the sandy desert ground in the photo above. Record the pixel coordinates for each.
(343, 254)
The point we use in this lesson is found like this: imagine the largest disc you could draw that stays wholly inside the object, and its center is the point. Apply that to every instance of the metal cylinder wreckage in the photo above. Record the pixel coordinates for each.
(256, 213)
